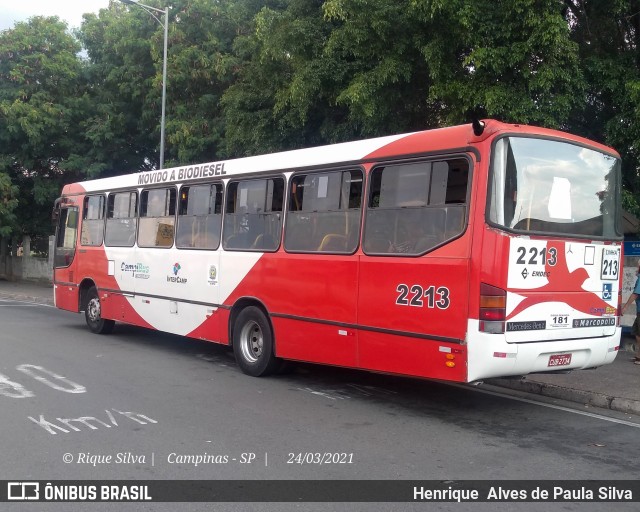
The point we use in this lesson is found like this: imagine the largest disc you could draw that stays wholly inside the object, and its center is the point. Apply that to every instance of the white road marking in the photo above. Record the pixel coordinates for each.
(13, 389)
(87, 421)
(326, 394)
(371, 390)
(549, 406)
(34, 371)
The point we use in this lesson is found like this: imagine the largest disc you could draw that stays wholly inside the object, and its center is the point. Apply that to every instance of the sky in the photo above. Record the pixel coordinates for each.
(71, 11)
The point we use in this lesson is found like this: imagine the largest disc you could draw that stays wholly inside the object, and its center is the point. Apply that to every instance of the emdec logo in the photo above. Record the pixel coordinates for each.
(22, 491)
(174, 278)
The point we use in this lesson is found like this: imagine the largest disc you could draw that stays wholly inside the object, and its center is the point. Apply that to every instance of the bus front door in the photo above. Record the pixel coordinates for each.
(64, 264)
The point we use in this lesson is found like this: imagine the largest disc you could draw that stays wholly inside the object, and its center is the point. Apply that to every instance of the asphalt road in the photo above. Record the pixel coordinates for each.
(143, 405)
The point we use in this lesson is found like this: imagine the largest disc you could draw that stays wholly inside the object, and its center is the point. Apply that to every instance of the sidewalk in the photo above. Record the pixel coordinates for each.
(615, 386)
(42, 293)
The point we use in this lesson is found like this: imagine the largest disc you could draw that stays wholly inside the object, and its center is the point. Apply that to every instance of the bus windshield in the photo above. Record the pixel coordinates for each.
(552, 187)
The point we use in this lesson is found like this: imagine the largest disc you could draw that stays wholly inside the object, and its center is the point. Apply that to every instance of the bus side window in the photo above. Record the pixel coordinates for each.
(415, 207)
(157, 217)
(92, 232)
(120, 229)
(253, 215)
(200, 217)
(324, 212)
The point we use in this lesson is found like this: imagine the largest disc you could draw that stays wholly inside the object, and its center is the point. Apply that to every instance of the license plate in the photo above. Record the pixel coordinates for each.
(559, 360)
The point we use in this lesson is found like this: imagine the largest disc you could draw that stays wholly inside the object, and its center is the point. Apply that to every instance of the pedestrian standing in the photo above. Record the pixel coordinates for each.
(635, 297)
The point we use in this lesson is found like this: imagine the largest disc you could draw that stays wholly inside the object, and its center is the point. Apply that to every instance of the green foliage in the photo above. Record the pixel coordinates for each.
(608, 34)
(385, 80)
(510, 60)
(8, 203)
(41, 105)
(200, 68)
(278, 99)
(321, 72)
(631, 203)
(121, 128)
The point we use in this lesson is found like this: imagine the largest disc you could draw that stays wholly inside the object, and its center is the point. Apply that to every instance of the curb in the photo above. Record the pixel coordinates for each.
(590, 398)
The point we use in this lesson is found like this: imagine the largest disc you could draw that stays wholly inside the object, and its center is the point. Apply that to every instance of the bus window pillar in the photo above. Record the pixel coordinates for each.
(52, 249)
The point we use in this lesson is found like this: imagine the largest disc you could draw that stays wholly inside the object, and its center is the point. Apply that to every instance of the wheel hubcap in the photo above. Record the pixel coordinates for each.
(93, 309)
(251, 342)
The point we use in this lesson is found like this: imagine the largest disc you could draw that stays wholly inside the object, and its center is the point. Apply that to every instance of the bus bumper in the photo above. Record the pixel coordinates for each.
(489, 355)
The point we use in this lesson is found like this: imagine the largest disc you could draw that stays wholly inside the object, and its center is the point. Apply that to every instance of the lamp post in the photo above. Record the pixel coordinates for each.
(165, 11)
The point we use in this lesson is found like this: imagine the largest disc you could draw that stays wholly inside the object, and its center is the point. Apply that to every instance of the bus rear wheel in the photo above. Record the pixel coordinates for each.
(93, 314)
(253, 343)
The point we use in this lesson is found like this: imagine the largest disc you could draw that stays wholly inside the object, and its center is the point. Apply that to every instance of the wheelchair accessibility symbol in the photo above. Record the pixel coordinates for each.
(607, 291)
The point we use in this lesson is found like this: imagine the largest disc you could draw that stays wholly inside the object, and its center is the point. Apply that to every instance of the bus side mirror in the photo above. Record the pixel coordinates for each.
(55, 213)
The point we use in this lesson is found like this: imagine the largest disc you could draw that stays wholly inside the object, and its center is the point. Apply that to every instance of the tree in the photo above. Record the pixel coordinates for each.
(320, 72)
(122, 128)
(608, 37)
(514, 61)
(201, 67)
(279, 98)
(341, 69)
(42, 103)
(8, 203)
(125, 48)
(384, 79)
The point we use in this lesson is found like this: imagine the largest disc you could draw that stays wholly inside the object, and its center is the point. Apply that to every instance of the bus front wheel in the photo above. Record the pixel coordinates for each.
(93, 314)
(253, 343)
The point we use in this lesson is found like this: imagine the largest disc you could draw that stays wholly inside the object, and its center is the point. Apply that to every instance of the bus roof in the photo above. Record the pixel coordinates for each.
(455, 138)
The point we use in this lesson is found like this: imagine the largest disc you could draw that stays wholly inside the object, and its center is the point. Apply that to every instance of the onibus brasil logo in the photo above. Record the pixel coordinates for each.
(175, 278)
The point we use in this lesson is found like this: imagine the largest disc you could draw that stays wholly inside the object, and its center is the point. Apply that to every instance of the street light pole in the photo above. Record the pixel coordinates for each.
(165, 11)
(164, 86)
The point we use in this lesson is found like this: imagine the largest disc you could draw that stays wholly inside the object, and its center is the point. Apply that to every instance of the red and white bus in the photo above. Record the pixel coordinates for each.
(460, 253)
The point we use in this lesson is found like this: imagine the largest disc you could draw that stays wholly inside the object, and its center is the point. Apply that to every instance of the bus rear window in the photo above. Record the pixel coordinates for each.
(552, 187)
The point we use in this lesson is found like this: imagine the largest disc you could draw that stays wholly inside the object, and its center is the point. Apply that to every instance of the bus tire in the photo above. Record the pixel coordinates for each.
(93, 316)
(253, 343)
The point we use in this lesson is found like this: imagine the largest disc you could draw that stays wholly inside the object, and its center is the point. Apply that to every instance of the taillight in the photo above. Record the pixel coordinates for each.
(493, 309)
(619, 309)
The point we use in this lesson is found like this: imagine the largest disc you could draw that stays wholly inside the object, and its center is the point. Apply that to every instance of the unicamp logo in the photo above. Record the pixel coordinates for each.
(175, 278)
